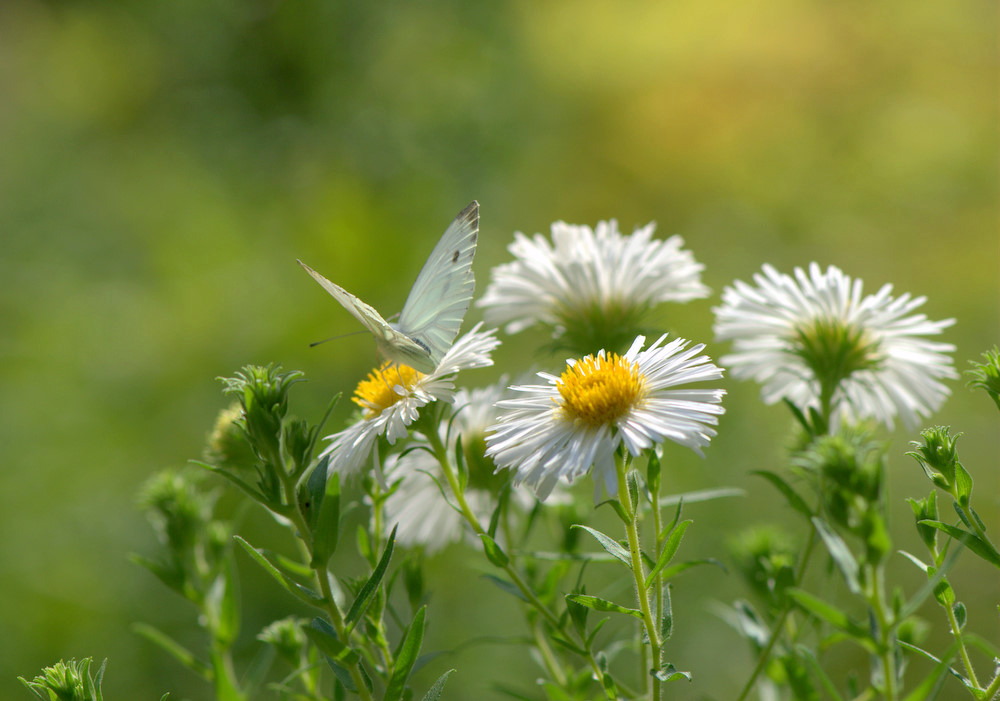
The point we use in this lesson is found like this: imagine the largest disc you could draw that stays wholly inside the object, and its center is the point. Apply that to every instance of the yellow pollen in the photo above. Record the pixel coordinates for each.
(598, 391)
(375, 393)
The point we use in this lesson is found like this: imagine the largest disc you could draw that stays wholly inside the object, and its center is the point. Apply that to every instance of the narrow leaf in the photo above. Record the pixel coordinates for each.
(322, 635)
(507, 586)
(970, 540)
(702, 495)
(364, 596)
(408, 651)
(667, 621)
(632, 483)
(434, 693)
(494, 553)
(929, 685)
(818, 672)
(827, 612)
(609, 544)
(618, 509)
(327, 528)
(599, 604)
(669, 550)
(174, 649)
(791, 496)
(840, 553)
(290, 585)
(669, 673)
(674, 570)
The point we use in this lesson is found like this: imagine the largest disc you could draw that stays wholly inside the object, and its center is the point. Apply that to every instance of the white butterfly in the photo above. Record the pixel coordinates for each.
(436, 304)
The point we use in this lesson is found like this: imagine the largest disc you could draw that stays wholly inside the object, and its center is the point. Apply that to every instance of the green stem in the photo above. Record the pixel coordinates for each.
(886, 641)
(441, 453)
(779, 623)
(963, 652)
(639, 575)
(993, 690)
(301, 529)
(549, 658)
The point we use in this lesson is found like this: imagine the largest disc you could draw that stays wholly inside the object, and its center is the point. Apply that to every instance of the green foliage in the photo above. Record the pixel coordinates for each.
(68, 681)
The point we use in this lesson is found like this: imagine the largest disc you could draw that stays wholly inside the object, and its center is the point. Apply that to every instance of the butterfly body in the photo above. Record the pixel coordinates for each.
(436, 305)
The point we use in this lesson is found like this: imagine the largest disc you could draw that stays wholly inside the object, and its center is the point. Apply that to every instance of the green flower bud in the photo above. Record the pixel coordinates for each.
(986, 375)
(287, 637)
(938, 456)
(68, 681)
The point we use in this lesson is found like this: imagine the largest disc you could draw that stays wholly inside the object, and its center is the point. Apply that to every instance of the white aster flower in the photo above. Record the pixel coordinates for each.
(593, 286)
(817, 342)
(578, 420)
(419, 507)
(393, 395)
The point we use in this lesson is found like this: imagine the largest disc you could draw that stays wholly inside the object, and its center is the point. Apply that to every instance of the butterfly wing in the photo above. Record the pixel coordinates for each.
(394, 345)
(440, 297)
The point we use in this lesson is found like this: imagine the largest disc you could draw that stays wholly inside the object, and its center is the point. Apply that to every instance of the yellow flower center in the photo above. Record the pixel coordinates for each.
(376, 393)
(597, 391)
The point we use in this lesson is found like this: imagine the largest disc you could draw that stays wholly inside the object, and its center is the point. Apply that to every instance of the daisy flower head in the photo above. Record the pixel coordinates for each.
(816, 341)
(592, 287)
(419, 507)
(578, 420)
(392, 395)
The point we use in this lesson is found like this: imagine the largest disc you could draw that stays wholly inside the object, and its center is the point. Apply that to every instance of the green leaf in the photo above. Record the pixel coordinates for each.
(963, 484)
(599, 604)
(632, 483)
(494, 553)
(434, 693)
(327, 528)
(929, 686)
(818, 672)
(674, 570)
(827, 612)
(667, 621)
(970, 540)
(933, 585)
(653, 473)
(840, 553)
(222, 606)
(174, 649)
(702, 495)
(609, 544)
(324, 637)
(618, 509)
(507, 587)
(502, 500)
(791, 496)
(668, 552)
(245, 487)
(461, 466)
(170, 576)
(669, 673)
(364, 596)
(407, 655)
(578, 615)
(290, 585)
(960, 614)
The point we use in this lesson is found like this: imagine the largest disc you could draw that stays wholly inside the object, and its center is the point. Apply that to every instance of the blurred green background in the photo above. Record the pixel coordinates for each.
(163, 164)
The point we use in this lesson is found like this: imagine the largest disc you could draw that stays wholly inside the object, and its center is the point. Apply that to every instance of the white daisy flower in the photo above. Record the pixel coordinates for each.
(578, 420)
(393, 395)
(418, 505)
(817, 342)
(590, 284)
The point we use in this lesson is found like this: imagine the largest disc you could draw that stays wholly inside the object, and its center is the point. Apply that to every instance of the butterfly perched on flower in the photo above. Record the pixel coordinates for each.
(436, 305)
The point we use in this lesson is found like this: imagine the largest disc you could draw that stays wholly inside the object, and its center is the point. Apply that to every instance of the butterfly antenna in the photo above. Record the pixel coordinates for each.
(334, 338)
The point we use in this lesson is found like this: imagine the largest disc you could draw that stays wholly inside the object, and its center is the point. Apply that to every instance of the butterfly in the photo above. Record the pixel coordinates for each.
(436, 305)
